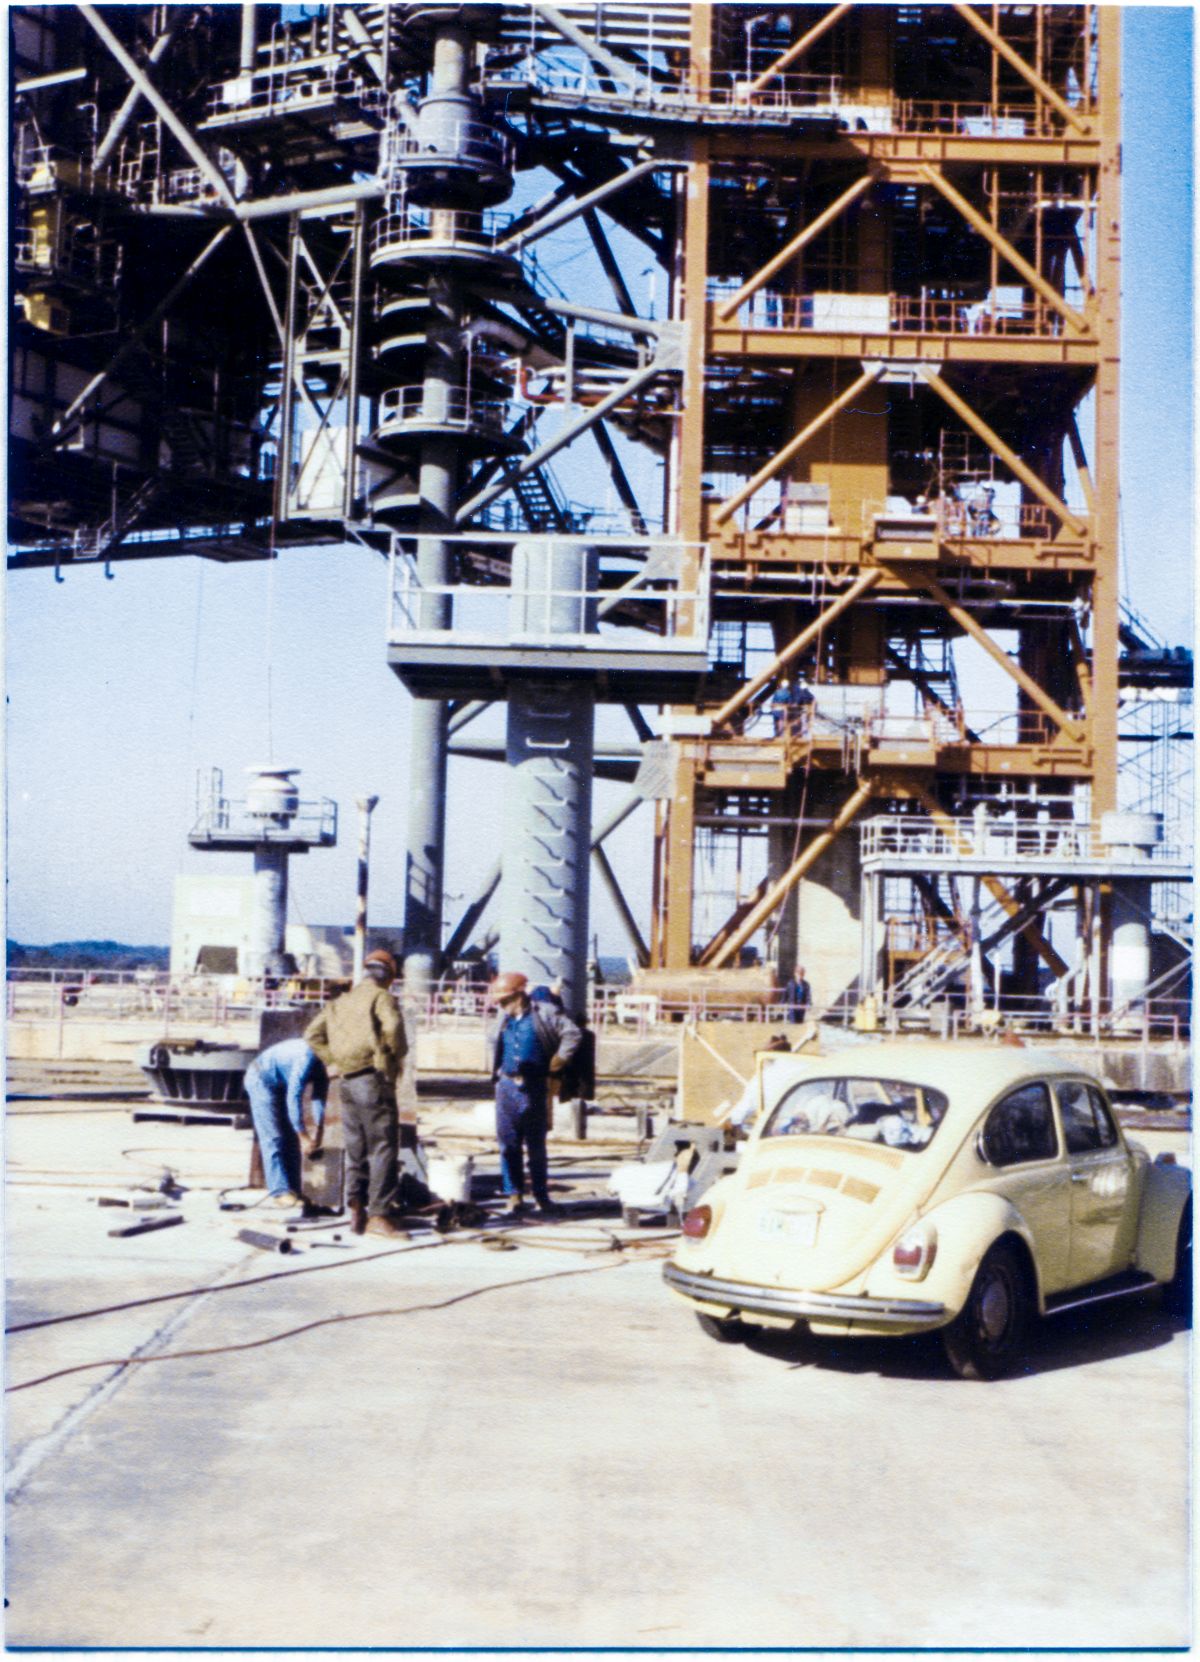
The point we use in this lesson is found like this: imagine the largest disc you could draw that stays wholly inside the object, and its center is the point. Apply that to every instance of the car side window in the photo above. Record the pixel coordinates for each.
(1087, 1123)
(1020, 1128)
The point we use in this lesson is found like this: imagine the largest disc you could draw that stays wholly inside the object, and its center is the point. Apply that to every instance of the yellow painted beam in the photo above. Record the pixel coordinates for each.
(977, 632)
(1026, 70)
(1002, 245)
(801, 240)
(1005, 452)
(730, 506)
(799, 47)
(779, 891)
(795, 647)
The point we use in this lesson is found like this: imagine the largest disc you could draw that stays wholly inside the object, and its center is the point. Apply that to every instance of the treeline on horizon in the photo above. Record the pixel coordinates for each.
(109, 955)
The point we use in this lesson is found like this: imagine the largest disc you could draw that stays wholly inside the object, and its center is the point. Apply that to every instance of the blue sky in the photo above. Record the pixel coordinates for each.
(119, 690)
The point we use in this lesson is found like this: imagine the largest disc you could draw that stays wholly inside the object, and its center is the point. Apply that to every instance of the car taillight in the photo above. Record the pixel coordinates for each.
(698, 1222)
(914, 1252)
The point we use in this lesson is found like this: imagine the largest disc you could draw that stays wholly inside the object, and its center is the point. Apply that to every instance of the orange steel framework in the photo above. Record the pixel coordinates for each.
(894, 326)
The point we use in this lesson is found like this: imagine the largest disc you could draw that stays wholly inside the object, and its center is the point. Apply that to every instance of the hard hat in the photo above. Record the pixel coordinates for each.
(506, 985)
(383, 960)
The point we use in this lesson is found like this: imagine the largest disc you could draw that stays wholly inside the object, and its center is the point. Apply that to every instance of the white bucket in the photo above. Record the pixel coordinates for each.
(450, 1176)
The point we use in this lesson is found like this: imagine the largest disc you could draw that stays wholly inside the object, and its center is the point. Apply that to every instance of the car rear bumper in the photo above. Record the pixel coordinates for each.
(909, 1314)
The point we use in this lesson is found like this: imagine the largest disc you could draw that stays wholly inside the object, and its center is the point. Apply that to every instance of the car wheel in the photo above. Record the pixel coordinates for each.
(1177, 1294)
(986, 1336)
(726, 1330)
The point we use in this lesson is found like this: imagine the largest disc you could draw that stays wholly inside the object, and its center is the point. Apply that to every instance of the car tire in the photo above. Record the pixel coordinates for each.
(986, 1337)
(726, 1330)
(1177, 1294)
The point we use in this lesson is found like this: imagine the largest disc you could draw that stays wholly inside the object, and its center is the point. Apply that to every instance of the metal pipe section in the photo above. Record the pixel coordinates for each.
(548, 800)
(366, 806)
(268, 922)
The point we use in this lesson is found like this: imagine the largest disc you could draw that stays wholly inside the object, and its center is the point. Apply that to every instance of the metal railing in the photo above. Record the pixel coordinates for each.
(915, 838)
(473, 144)
(285, 86)
(833, 312)
(224, 818)
(613, 614)
(428, 405)
(974, 517)
(410, 227)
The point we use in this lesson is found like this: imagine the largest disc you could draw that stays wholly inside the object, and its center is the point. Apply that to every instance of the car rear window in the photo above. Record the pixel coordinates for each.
(891, 1111)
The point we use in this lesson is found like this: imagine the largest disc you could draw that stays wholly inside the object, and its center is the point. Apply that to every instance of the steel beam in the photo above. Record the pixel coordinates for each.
(779, 891)
(795, 647)
(543, 453)
(617, 67)
(67, 420)
(730, 506)
(1031, 932)
(1066, 723)
(798, 47)
(800, 241)
(571, 210)
(1025, 70)
(1003, 247)
(120, 121)
(1005, 452)
(152, 96)
(609, 878)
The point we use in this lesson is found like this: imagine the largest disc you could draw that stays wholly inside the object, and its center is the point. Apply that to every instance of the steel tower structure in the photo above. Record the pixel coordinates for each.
(882, 393)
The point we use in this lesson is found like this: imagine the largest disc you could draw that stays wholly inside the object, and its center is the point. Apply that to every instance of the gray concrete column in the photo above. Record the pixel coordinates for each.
(547, 837)
(1129, 955)
(269, 921)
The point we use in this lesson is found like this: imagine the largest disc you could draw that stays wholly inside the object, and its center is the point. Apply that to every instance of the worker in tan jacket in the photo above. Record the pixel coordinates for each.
(361, 1035)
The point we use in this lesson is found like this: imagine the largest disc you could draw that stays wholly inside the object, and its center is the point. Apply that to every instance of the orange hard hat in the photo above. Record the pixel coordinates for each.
(506, 985)
(385, 961)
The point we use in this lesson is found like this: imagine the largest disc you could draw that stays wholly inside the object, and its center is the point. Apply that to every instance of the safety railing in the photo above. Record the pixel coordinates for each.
(409, 227)
(975, 515)
(915, 839)
(973, 120)
(418, 408)
(884, 314)
(285, 86)
(225, 819)
(83, 261)
(475, 144)
(665, 595)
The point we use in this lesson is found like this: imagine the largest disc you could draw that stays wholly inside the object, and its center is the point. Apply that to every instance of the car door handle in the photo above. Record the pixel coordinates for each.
(1081, 1177)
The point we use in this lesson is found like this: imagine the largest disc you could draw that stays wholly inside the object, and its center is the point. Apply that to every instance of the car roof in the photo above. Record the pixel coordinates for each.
(971, 1074)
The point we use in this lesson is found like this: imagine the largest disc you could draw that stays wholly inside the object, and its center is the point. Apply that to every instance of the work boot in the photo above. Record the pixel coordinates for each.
(548, 1209)
(286, 1200)
(514, 1205)
(381, 1225)
(358, 1216)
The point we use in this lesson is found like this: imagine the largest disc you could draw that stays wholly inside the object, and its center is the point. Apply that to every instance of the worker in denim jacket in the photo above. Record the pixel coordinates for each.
(529, 1041)
(275, 1084)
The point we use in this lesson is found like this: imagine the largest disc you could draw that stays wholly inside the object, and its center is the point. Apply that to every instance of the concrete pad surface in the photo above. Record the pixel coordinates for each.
(434, 1444)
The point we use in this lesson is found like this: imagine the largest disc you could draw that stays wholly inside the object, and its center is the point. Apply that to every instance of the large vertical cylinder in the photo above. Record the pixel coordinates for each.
(268, 923)
(548, 788)
(1129, 955)
(1130, 837)
(547, 836)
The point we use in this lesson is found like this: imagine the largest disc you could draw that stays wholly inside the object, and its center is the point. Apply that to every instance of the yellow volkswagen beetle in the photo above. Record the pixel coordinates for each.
(910, 1187)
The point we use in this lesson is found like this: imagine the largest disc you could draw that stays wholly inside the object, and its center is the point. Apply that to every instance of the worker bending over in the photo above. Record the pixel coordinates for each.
(529, 1041)
(361, 1035)
(275, 1083)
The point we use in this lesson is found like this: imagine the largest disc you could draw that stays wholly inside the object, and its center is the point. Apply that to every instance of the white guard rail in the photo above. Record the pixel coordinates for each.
(661, 597)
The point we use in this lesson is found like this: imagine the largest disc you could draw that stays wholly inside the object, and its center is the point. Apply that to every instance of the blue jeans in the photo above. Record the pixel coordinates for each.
(521, 1125)
(277, 1136)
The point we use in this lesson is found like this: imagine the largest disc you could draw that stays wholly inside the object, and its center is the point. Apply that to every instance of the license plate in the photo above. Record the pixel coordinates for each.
(797, 1228)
